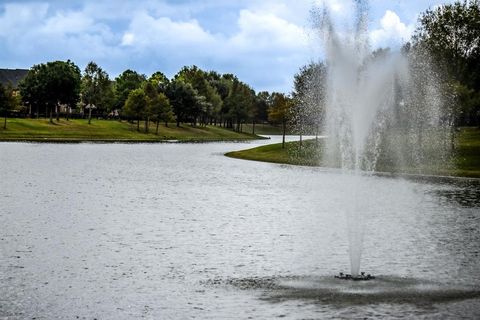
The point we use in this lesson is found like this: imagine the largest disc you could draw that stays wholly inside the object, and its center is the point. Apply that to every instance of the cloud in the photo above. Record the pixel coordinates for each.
(266, 31)
(263, 42)
(146, 31)
(392, 31)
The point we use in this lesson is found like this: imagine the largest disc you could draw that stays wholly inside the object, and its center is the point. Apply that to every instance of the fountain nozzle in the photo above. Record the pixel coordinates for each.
(361, 277)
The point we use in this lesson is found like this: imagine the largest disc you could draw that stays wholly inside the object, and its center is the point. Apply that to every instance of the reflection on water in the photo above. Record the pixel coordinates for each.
(327, 290)
(461, 193)
(157, 230)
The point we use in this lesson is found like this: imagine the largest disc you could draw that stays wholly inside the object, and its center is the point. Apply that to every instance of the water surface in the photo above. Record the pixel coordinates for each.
(131, 231)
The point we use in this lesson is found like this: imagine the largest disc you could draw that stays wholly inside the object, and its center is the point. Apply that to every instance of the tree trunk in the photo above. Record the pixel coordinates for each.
(51, 115)
(284, 131)
(146, 124)
(89, 115)
(138, 124)
(253, 127)
(5, 122)
(178, 123)
(57, 109)
(156, 131)
(166, 123)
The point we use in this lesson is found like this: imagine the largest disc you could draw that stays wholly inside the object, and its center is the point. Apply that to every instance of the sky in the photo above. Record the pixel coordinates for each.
(263, 42)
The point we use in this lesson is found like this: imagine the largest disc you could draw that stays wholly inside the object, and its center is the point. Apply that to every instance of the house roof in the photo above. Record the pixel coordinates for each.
(13, 76)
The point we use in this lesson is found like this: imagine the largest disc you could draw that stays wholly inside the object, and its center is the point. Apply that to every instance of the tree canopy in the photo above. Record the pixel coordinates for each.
(451, 34)
(49, 85)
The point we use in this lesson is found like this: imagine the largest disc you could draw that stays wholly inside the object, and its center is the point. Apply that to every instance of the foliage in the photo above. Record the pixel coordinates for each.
(184, 100)
(451, 34)
(280, 110)
(49, 85)
(238, 103)
(7, 102)
(309, 93)
(127, 81)
(136, 105)
(97, 88)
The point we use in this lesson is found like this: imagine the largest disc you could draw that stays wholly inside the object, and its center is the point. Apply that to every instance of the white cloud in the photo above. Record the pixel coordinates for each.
(149, 32)
(392, 31)
(266, 31)
(128, 39)
(264, 43)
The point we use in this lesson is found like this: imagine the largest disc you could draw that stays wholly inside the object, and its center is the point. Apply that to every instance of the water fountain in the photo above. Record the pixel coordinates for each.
(384, 111)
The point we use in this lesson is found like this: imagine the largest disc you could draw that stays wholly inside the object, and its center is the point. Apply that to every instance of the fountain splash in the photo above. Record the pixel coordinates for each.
(383, 111)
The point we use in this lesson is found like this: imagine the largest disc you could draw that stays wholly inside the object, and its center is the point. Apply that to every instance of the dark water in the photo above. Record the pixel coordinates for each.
(178, 231)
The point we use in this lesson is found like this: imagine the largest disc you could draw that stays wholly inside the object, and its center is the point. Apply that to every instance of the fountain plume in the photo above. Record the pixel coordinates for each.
(382, 110)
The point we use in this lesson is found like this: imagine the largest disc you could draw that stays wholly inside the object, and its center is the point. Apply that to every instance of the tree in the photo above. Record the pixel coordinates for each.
(129, 80)
(184, 100)
(161, 110)
(136, 105)
(308, 111)
(7, 102)
(51, 85)
(203, 82)
(160, 81)
(96, 88)
(280, 111)
(450, 33)
(238, 103)
(32, 88)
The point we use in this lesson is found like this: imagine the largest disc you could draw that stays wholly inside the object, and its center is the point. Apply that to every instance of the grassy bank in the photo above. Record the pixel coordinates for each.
(466, 160)
(110, 130)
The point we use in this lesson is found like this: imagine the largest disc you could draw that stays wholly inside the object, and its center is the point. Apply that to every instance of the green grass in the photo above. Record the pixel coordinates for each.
(291, 154)
(110, 130)
(467, 157)
(265, 129)
(466, 160)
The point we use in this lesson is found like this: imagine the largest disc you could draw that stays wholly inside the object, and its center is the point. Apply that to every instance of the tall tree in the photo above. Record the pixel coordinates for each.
(202, 81)
(280, 111)
(5, 103)
(451, 34)
(161, 110)
(96, 88)
(51, 85)
(127, 81)
(239, 103)
(136, 105)
(184, 100)
(160, 81)
(308, 111)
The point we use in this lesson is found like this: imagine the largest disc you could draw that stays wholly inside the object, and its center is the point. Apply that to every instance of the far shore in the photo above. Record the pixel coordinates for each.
(114, 131)
(465, 163)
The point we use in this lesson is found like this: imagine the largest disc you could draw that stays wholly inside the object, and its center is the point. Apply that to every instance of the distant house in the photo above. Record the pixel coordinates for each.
(13, 76)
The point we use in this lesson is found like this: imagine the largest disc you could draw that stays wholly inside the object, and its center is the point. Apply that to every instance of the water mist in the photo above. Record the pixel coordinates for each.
(382, 111)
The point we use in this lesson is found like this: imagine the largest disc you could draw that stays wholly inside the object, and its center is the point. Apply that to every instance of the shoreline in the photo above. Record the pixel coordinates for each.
(273, 153)
(410, 176)
(125, 141)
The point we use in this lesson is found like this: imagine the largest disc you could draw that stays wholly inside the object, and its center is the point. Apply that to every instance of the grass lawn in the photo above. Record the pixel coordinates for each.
(109, 130)
(466, 158)
(260, 128)
(468, 153)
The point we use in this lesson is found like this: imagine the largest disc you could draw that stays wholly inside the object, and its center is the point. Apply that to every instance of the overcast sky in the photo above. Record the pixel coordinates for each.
(263, 42)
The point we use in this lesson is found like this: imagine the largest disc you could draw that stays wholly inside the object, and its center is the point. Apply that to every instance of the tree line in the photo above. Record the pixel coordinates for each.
(448, 36)
(193, 96)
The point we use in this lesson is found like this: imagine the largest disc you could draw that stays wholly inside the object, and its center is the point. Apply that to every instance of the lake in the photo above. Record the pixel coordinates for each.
(179, 231)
